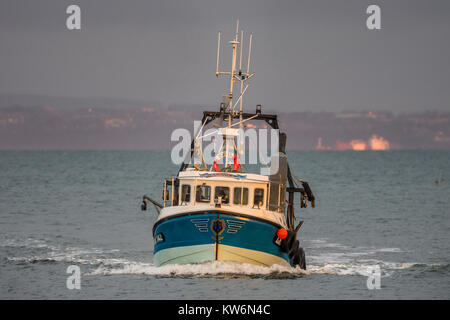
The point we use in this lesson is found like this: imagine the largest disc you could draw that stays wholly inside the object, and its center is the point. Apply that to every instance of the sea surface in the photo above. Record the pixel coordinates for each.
(387, 210)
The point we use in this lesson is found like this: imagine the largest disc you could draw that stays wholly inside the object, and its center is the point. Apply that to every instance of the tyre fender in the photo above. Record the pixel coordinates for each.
(294, 249)
(286, 244)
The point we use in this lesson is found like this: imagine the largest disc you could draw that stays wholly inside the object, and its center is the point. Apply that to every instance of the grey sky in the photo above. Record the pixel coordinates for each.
(307, 55)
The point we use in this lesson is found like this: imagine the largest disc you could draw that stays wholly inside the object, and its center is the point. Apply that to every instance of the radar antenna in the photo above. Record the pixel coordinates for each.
(235, 75)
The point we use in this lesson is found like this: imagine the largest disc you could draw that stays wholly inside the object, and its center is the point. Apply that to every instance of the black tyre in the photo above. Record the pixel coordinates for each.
(286, 243)
(294, 249)
(296, 260)
(301, 258)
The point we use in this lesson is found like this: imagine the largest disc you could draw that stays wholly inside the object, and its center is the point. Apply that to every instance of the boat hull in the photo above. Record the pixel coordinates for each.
(213, 235)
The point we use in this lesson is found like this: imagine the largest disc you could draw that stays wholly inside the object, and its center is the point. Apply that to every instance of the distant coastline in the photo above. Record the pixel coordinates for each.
(45, 123)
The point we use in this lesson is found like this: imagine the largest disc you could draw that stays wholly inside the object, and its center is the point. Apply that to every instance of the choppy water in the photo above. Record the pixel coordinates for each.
(82, 208)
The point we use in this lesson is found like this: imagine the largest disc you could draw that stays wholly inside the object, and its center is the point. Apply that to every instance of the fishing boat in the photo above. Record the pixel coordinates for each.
(219, 211)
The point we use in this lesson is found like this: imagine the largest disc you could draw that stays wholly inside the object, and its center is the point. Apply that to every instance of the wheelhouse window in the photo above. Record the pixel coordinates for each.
(203, 193)
(185, 193)
(223, 192)
(258, 198)
(239, 197)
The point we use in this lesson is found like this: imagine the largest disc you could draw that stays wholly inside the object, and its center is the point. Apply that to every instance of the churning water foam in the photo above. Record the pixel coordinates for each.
(113, 262)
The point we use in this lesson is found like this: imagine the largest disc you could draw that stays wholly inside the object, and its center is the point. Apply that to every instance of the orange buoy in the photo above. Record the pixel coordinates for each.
(282, 233)
(216, 166)
(235, 163)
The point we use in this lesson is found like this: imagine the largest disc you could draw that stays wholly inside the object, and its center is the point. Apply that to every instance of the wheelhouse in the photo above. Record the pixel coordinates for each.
(193, 188)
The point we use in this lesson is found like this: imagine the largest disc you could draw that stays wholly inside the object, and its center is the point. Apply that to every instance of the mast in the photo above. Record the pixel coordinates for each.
(235, 76)
(234, 43)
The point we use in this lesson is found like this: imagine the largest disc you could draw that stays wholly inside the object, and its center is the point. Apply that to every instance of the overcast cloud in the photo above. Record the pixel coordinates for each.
(308, 55)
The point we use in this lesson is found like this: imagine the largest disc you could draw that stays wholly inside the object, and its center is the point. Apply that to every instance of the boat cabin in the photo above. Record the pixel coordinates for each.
(224, 189)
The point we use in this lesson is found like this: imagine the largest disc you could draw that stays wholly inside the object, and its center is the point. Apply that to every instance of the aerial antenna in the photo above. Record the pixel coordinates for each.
(249, 53)
(235, 75)
(240, 76)
(240, 45)
(218, 54)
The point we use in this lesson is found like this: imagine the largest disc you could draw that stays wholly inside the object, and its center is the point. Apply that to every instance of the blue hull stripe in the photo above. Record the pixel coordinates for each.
(217, 227)
(185, 231)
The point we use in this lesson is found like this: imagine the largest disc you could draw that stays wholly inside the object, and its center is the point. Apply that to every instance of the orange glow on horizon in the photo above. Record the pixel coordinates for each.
(375, 143)
(379, 143)
(358, 145)
(320, 146)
